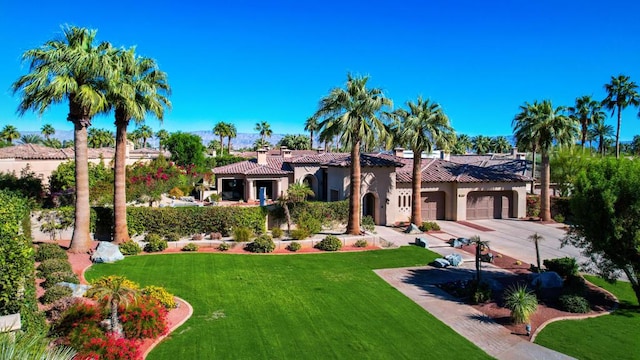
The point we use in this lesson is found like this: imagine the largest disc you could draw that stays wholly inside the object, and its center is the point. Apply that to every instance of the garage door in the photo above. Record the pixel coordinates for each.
(433, 205)
(488, 205)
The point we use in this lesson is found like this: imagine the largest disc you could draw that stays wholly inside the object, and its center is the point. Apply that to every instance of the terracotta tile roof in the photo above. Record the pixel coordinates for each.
(344, 160)
(436, 170)
(275, 166)
(276, 152)
(41, 152)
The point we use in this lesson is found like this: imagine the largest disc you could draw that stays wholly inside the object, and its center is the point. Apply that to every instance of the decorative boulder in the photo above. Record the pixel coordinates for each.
(454, 259)
(440, 263)
(106, 253)
(78, 289)
(412, 229)
(546, 280)
(422, 242)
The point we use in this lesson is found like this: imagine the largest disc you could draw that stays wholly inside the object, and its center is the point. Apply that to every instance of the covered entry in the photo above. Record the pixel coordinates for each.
(433, 205)
(489, 205)
(369, 205)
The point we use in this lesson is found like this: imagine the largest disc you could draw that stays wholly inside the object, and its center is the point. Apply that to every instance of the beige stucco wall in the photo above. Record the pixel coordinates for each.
(300, 172)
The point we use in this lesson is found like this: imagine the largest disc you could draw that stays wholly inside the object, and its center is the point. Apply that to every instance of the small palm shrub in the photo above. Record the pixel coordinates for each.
(50, 266)
(172, 236)
(161, 295)
(61, 276)
(48, 251)
(294, 246)
(224, 246)
(522, 302)
(361, 243)
(242, 234)
(55, 293)
(190, 247)
(429, 225)
(574, 304)
(329, 243)
(262, 244)
(276, 232)
(106, 280)
(368, 224)
(300, 234)
(130, 248)
(154, 243)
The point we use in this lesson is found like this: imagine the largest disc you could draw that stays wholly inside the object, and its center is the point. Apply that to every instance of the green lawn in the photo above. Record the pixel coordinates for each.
(615, 336)
(307, 306)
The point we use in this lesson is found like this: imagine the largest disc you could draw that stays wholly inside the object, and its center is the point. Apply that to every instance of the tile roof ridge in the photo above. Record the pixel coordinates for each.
(464, 170)
(426, 166)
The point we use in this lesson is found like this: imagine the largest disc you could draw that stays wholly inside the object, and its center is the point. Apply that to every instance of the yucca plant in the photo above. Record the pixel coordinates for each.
(521, 301)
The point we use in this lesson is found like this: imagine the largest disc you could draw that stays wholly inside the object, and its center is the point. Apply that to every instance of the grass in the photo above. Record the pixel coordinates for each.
(612, 336)
(311, 306)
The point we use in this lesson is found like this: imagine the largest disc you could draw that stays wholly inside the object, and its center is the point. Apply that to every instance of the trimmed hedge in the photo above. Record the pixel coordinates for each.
(565, 267)
(48, 251)
(262, 244)
(55, 293)
(48, 267)
(329, 243)
(326, 212)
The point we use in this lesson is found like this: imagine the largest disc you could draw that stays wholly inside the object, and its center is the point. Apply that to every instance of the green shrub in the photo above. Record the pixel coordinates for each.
(522, 302)
(574, 304)
(481, 293)
(574, 285)
(368, 224)
(329, 243)
(50, 266)
(161, 295)
(55, 293)
(533, 205)
(559, 218)
(308, 222)
(300, 234)
(294, 246)
(130, 248)
(224, 246)
(361, 243)
(154, 243)
(429, 225)
(566, 266)
(242, 234)
(62, 276)
(190, 247)
(262, 244)
(48, 251)
(276, 232)
(176, 192)
(172, 236)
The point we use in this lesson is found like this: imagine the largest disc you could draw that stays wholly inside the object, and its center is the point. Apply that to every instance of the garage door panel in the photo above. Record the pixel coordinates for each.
(488, 205)
(433, 206)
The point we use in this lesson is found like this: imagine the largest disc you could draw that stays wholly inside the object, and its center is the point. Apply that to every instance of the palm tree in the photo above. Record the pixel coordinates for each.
(264, 129)
(70, 69)
(221, 130)
(481, 144)
(261, 144)
(139, 89)
(9, 133)
(420, 128)
(52, 143)
(586, 111)
(526, 141)
(500, 144)
(135, 136)
(232, 132)
(621, 93)
(545, 126)
(480, 245)
(162, 135)
(462, 145)
(31, 139)
(97, 138)
(537, 238)
(47, 130)
(113, 291)
(214, 145)
(355, 114)
(297, 192)
(311, 125)
(602, 132)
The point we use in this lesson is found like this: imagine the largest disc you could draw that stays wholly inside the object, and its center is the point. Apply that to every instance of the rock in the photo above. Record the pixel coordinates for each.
(422, 242)
(78, 289)
(440, 263)
(546, 280)
(454, 259)
(106, 253)
(412, 229)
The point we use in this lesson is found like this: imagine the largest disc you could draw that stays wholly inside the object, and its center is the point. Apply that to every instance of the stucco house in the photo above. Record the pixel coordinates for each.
(453, 188)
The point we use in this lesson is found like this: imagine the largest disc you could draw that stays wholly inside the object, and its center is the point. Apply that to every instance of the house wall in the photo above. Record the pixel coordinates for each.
(300, 172)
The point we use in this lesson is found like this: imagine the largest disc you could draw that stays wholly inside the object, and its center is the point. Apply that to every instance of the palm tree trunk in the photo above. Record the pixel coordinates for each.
(416, 186)
(353, 225)
(537, 254)
(81, 239)
(115, 324)
(584, 136)
(618, 133)
(533, 170)
(221, 146)
(120, 232)
(287, 214)
(478, 260)
(545, 208)
(311, 138)
(228, 145)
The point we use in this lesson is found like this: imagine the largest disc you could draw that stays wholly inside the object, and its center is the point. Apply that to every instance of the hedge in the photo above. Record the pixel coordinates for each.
(326, 212)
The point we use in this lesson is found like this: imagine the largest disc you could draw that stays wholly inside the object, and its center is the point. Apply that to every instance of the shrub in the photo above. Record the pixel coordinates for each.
(559, 218)
(224, 246)
(58, 308)
(176, 192)
(368, 224)
(300, 234)
(55, 293)
(172, 236)
(190, 247)
(533, 205)
(481, 293)
(361, 243)
(329, 243)
(566, 266)
(154, 243)
(574, 304)
(522, 302)
(215, 236)
(308, 222)
(161, 295)
(61, 276)
(197, 236)
(146, 318)
(109, 346)
(262, 244)
(574, 285)
(242, 234)
(49, 251)
(130, 248)
(47, 267)
(429, 225)
(78, 324)
(276, 232)
(294, 246)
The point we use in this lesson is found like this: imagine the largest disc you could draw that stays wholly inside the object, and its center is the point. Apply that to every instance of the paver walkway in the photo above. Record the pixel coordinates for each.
(418, 284)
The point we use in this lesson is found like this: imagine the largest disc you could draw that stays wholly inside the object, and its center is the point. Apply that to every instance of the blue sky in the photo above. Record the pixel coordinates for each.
(249, 61)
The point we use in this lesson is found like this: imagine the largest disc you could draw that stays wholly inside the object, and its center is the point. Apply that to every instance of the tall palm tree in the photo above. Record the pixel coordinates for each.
(355, 113)
(481, 245)
(462, 145)
(73, 69)
(545, 126)
(537, 238)
(135, 136)
(500, 144)
(264, 129)
(47, 130)
(311, 125)
(31, 139)
(232, 132)
(481, 144)
(526, 141)
(602, 132)
(621, 93)
(9, 133)
(162, 135)
(140, 88)
(221, 129)
(261, 144)
(113, 291)
(586, 111)
(420, 128)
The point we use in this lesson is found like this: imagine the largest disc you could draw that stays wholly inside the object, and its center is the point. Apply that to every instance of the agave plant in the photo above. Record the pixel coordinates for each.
(31, 346)
(522, 302)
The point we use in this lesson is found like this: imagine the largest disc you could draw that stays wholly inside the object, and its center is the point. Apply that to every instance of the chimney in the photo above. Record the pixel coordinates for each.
(514, 151)
(262, 156)
(285, 152)
(445, 155)
(320, 151)
(398, 152)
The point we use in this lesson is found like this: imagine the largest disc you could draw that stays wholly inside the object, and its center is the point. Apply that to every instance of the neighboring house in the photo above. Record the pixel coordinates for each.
(450, 190)
(44, 160)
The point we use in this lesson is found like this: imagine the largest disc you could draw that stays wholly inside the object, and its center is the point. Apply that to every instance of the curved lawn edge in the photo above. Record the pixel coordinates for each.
(181, 321)
(579, 317)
